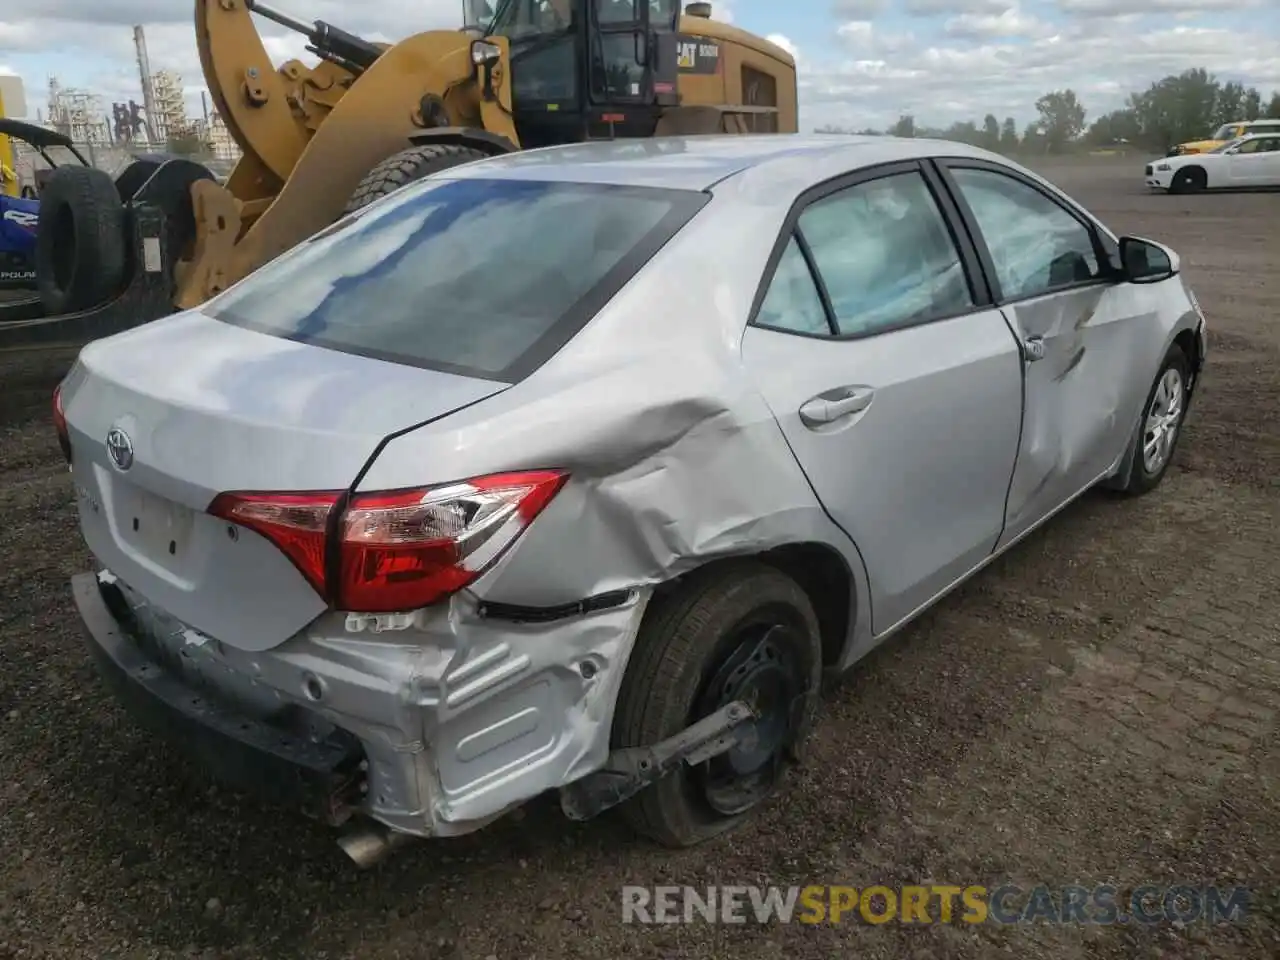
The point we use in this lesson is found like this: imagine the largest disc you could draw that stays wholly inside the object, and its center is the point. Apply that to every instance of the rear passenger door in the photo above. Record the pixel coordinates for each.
(1084, 334)
(896, 382)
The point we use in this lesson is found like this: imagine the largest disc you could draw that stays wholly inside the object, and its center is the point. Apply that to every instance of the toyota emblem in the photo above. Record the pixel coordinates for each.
(120, 448)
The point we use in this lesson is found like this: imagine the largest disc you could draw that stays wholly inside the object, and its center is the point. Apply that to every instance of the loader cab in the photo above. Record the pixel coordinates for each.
(585, 69)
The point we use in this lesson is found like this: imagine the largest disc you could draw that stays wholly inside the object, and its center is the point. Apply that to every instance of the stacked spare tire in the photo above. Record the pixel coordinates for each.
(81, 240)
(84, 243)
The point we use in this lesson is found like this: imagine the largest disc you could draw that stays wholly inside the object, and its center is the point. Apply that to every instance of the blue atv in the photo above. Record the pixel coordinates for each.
(19, 216)
(73, 244)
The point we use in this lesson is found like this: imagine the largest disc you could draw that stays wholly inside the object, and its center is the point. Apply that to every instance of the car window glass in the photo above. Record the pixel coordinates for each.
(1250, 146)
(885, 255)
(465, 274)
(617, 11)
(1035, 244)
(793, 302)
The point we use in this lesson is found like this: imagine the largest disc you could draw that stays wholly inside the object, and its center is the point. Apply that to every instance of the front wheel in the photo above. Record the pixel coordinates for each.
(1190, 180)
(1160, 424)
(744, 631)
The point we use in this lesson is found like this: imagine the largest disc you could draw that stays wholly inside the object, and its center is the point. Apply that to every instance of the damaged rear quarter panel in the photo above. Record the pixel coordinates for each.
(675, 459)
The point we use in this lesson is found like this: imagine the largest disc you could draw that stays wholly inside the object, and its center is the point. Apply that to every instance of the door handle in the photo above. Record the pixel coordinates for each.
(832, 405)
(1033, 349)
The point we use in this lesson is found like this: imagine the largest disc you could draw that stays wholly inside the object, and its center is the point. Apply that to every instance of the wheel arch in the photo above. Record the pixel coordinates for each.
(493, 144)
(1190, 343)
(827, 579)
(1184, 337)
(1196, 172)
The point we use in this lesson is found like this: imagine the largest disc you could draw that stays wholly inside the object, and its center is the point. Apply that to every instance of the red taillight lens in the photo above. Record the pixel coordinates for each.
(294, 522)
(399, 550)
(407, 549)
(60, 424)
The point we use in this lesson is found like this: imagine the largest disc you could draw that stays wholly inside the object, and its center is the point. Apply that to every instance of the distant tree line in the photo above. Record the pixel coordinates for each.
(1186, 106)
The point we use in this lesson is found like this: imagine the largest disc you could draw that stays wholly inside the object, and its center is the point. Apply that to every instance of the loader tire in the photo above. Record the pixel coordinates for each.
(81, 240)
(403, 168)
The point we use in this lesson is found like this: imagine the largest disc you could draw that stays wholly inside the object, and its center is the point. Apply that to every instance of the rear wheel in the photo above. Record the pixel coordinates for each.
(403, 168)
(1189, 180)
(80, 240)
(739, 632)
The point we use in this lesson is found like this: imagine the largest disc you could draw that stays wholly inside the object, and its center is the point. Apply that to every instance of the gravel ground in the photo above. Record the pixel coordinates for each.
(1099, 706)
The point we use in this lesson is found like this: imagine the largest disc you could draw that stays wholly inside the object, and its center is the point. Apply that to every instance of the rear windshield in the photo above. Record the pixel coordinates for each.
(484, 278)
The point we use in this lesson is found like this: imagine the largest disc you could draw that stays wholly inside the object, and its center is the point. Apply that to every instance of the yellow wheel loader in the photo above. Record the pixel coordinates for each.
(321, 141)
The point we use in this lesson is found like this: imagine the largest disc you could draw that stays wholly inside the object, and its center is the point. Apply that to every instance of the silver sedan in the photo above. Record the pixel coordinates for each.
(573, 470)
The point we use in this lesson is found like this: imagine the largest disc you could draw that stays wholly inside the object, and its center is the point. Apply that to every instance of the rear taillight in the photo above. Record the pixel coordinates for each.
(294, 522)
(403, 549)
(60, 423)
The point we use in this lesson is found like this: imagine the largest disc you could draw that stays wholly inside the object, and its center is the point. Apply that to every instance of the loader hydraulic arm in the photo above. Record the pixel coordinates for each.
(337, 46)
(310, 134)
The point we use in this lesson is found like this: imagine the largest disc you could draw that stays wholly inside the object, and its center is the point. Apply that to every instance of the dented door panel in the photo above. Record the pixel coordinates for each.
(1082, 395)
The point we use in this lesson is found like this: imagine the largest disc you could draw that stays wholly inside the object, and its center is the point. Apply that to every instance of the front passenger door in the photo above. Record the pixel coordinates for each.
(1256, 163)
(896, 383)
(1083, 336)
(1270, 154)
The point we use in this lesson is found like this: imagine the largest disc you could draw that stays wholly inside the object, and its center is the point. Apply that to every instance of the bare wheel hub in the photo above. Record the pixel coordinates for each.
(761, 669)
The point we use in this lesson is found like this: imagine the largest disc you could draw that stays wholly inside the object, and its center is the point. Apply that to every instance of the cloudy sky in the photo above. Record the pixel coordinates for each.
(862, 62)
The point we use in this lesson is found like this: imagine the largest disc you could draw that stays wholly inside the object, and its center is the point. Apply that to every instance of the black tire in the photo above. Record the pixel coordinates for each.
(682, 647)
(403, 168)
(1189, 180)
(80, 240)
(1141, 479)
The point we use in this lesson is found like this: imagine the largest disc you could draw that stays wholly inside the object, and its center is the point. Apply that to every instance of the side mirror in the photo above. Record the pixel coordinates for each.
(1145, 261)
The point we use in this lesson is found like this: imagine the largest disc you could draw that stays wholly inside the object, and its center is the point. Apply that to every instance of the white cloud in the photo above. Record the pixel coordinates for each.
(1111, 8)
(859, 9)
(857, 33)
(929, 8)
(1009, 24)
(786, 44)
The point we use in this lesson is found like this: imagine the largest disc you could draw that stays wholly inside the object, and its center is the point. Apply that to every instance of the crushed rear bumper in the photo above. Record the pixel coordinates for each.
(276, 760)
(435, 728)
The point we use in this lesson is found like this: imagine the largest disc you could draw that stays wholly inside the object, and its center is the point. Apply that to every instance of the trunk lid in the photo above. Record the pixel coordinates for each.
(165, 417)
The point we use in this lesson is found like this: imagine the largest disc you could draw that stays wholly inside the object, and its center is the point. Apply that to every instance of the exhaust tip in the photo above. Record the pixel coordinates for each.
(369, 846)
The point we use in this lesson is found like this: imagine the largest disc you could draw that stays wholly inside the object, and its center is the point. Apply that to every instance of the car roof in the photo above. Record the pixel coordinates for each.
(698, 163)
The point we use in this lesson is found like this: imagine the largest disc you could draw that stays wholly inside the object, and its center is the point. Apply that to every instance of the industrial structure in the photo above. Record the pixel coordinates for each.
(160, 123)
(79, 114)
